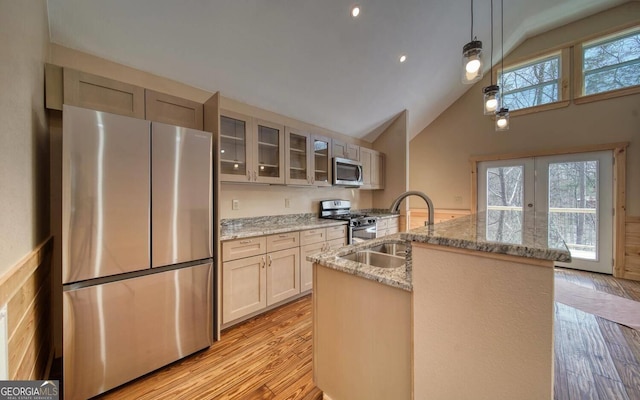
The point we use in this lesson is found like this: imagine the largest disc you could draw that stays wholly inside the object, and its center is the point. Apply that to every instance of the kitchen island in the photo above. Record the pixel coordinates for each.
(477, 321)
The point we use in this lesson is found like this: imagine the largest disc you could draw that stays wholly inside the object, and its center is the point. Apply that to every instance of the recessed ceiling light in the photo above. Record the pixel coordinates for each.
(403, 58)
(355, 11)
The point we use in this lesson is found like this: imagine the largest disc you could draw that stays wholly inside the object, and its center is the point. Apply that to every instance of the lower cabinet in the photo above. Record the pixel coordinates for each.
(283, 275)
(387, 226)
(262, 271)
(244, 284)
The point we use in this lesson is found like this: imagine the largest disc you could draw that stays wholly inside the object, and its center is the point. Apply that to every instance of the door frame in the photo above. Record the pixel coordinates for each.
(619, 187)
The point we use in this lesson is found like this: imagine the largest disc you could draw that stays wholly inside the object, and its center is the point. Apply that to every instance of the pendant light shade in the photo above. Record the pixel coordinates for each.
(502, 120)
(472, 62)
(490, 95)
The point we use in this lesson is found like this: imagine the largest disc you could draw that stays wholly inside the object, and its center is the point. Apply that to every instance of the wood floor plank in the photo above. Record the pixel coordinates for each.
(270, 356)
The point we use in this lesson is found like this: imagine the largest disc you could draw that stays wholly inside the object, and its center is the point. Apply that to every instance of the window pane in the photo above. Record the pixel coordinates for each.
(611, 65)
(504, 204)
(573, 205)
(531, 85)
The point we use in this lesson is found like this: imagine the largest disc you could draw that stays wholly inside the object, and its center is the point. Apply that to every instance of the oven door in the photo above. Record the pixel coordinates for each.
(359, 234)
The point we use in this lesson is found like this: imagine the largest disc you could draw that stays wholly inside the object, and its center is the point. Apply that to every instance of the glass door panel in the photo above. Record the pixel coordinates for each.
(233, 146)
(570, 193)
(298, 145)
(321, 161)
(505, 191)
(576, 190)
(268, 152)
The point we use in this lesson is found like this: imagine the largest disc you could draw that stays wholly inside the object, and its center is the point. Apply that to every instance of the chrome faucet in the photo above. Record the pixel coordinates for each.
(395, 207)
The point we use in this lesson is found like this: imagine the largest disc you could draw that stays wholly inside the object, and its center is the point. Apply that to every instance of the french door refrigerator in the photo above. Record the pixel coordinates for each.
(137, 264)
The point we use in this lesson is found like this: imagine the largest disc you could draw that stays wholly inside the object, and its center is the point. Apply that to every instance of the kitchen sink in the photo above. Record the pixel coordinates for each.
(396, 249)
(376, 259)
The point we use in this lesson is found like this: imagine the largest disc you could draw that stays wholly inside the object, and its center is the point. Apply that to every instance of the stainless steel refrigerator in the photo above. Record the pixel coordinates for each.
(137, 264)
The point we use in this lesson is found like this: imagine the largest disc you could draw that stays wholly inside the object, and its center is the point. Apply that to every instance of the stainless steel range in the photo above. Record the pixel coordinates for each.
(361, 226)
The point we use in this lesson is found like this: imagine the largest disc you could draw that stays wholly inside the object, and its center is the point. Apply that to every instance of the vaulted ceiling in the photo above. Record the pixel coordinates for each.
(309, 59)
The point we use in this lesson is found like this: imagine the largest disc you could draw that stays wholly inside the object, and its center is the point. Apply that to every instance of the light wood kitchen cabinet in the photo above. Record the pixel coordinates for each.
(283, 275)
(372, 168)
(308, 159)
(268, 152)
(314, 241)
(251, 150)
(298, 157)
(345, 150)
(162, 107)
(387, 226)
(235, 147)
(306, 267)
(321, 160)
(244, 287)
(95, 92)
(258, 272)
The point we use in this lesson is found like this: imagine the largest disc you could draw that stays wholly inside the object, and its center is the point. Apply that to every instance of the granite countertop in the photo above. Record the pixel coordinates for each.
(259, 226)
(467, 232)
(396, 277)
(470, 232)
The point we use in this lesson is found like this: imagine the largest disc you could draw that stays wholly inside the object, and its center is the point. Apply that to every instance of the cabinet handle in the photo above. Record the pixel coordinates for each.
(263, 262)
(245, 241)
(283, 236)
(270, 260)
(255, 176)
(248, 175)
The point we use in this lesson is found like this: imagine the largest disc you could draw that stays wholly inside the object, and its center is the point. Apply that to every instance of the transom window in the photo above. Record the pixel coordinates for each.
(531, 84)
(612, 63)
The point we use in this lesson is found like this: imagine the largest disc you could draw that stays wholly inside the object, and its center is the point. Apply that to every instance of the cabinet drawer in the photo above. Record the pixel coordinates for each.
(282, 241)
(336, 232)
(313, 236)
(335, 244)
(382, 224)
(240, 248)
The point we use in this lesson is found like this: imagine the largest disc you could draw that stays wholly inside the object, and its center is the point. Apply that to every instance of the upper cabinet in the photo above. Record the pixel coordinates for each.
(308, 159)
(268, 154)
(372, 168)
(235, 147)
(298, 157)
(103, 94)
(162, 107)
(251, 150)
(321, 160)
(81, 89)
(345, 150)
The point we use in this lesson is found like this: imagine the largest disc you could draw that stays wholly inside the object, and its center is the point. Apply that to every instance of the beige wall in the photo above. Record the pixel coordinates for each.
(24, 138)
(439, 155)
(394, 144)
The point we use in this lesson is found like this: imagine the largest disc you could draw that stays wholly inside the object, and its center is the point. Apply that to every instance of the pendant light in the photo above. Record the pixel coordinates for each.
(490, 93)
(502, 116)
(472, 58)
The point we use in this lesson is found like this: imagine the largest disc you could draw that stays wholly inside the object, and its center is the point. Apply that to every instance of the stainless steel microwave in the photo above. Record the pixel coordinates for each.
(347, 172)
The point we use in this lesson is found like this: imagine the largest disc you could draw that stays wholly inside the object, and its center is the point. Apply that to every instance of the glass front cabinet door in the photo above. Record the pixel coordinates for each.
(297, 158)
(235, 147)
(268, 153)
(321, 161)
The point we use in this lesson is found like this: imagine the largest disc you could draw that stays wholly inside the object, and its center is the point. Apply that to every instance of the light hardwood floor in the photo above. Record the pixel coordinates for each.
(269, 357)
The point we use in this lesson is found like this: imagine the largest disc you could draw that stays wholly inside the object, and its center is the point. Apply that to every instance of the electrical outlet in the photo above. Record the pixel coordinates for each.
(235, 204)
(287, 203)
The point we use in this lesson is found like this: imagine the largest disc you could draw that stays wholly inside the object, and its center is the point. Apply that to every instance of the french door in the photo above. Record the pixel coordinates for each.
(572, 193)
